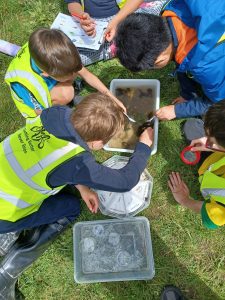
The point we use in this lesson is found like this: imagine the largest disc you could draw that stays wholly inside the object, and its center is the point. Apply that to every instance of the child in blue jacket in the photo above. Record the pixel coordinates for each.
(191, 33)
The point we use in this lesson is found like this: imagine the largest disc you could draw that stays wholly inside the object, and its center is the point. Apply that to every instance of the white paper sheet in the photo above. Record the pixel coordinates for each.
(71, 27)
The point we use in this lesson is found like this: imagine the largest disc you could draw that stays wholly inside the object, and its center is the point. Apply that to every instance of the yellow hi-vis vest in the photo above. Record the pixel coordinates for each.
(120, 3)
(20, 71)
(212, 177)
(27, 157)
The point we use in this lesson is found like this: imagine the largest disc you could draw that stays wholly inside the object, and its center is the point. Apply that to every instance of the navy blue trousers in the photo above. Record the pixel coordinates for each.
(52, 209)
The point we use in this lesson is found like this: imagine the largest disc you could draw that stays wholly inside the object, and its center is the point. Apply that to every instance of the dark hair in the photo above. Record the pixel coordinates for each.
(215, 122)
(97, 117)
(54, 52)
(140, 39)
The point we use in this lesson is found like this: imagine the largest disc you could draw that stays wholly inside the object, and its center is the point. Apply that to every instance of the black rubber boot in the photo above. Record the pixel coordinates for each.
(171, 292)
(24, 252)
(6, 241)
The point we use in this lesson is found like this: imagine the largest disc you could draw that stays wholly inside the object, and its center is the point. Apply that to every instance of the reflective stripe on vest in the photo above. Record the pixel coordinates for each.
(25, 175)
(45, 162)
(14, 200)
(27, 158)
(29, 76)
(216, 192)
(212, 177)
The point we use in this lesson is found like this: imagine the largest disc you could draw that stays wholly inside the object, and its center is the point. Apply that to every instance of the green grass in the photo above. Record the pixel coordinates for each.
(186, 254)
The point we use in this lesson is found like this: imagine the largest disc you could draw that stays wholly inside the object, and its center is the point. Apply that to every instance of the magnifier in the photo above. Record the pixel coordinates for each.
(189, 157)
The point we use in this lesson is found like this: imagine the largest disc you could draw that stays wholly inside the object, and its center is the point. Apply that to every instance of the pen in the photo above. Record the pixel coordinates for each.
(77, 16)
(214, 149)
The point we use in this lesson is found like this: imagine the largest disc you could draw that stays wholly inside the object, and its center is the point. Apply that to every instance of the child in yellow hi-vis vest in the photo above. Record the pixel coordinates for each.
(43, 71)
(38, 160)
(211, 172)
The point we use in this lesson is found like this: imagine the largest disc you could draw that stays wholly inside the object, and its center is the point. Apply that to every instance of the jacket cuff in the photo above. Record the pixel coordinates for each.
(141, 147)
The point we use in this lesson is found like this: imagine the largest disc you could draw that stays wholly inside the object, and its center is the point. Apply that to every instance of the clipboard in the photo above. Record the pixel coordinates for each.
(71, 27)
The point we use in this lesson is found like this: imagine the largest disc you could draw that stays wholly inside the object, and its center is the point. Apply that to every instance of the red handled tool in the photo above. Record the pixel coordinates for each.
(77, 16)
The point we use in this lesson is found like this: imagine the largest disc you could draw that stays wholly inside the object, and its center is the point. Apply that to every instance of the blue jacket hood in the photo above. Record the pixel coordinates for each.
(56, 120)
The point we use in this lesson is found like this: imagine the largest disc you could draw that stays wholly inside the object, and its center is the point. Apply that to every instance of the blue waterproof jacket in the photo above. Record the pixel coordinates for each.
(206, 60)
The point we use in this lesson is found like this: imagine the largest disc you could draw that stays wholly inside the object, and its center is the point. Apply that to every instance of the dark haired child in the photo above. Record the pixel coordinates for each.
(211, 172)
(192, 35)
(112, 11)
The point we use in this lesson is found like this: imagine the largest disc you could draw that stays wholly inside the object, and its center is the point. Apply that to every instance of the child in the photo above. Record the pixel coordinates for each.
(37, 161)
(42, 73)
(179, 35)
(112, 11)
(211, 172)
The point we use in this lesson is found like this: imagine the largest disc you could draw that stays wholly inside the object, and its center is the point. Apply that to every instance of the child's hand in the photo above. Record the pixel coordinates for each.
(88, 24)
(147, 136)
(89, 197)
(110, 31)
(178, 188)
(199, 145)
(179, 100)
(166, 113)
(91, 200)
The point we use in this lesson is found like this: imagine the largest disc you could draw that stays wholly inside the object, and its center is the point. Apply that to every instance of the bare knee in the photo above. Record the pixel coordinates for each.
(62, 95)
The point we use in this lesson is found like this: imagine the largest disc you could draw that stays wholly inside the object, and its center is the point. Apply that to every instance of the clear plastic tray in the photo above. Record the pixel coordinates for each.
(120, 205)
(154, 104)
(113, 250)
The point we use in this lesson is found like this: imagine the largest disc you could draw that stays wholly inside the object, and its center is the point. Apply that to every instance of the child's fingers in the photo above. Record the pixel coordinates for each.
(89, 205)
(171, 179)
(95, 204)
(177, 174)
(194, 149)
(174, 179)
(88, 23)
(86, 16)
(170, 185)
(89, 29)
(94, 33)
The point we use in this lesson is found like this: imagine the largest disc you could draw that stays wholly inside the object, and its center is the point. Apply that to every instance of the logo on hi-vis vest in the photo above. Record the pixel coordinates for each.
(40, 136)
(28, 140)
(21, 51)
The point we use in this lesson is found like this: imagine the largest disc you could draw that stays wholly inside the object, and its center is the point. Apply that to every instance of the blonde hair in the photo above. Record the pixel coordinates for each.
(54, 52)
(97, 117)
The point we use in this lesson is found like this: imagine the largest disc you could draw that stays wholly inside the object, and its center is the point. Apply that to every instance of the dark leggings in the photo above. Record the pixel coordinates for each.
(53, 208)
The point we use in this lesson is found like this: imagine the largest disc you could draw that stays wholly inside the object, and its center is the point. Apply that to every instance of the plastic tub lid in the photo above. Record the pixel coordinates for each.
(113, 250)
(120, 205)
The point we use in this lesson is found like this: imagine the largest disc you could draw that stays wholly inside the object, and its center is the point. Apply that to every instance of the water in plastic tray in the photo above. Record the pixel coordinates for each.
(113, 247)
